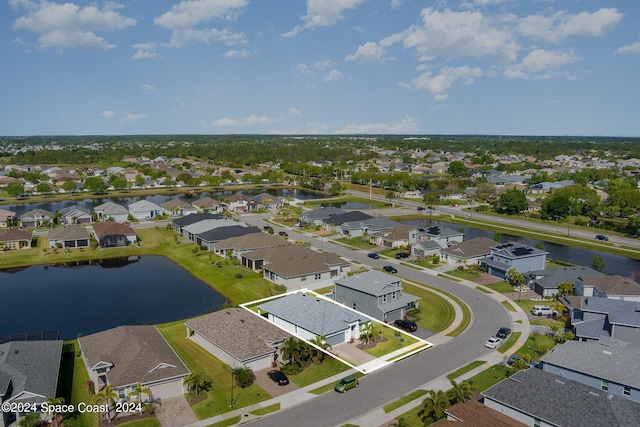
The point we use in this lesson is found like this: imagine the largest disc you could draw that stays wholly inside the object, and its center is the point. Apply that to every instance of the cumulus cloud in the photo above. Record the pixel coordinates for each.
(369, 52)
(439, 84)
(295, 112)
(129, 117)
(107, 114)
(560, 25)
(333, 75)
(408, 125)
(61, 26)
(233, 53)
(188, 21)
(323, 13)
(539, 64)
(145, 51)
(629, 49)
(248, 121)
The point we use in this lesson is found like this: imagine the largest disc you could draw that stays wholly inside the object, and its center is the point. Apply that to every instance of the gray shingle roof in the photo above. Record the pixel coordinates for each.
(322, 213)
(613, 285)
(372, 282)
(254, 241)
(222, 233)
(31, 366)
(517, 250)
(371, 224)
(620, 312)
(110, 208)
(193, 218)
(210, 224)
(339, 219)
(550, 278)
(471, 248)
(238, 332)
(134, 352)
(68, 232)
(316, 315)
(14, 235)
(438, 231)
(607, 359)
(294, 261)
(563, 402)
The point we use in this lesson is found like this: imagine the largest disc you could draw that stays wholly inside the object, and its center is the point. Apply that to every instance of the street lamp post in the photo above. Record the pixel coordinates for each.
(569, 223)
(231, 402)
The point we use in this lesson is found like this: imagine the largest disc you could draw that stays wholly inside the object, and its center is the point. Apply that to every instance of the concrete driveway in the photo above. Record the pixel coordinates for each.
(270, 387)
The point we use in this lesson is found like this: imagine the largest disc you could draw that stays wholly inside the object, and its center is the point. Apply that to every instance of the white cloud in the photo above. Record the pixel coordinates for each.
(295, 112)
(147, 89)
(107, 114)
(129, 117)
(629, 49)
(322, 65)
(323, 13)
(237, 53)
(145, 51)
(60, 26)
(439, 84)
(251, 120)
(184, 21)
(408, 125)
(303, 69)
(561, 24)
(333, 75)
(539, 64)
(369, 52)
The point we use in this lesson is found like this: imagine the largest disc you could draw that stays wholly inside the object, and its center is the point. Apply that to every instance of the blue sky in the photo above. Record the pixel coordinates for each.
(522, 67)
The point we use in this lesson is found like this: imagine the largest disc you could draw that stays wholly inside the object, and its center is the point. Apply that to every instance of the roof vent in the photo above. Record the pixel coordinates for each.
(560, 382)
(593, 393)
(607, 352)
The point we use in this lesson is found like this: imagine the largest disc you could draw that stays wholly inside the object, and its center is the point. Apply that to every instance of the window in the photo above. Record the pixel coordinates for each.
(318, 276)
(354, 305)
(605, 385)
(384, 298)
(536, 422)
(393, 295)
(626, 391)
(121, 394)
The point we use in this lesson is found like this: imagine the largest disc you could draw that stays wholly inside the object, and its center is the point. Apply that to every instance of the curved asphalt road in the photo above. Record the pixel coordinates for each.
(387, 384)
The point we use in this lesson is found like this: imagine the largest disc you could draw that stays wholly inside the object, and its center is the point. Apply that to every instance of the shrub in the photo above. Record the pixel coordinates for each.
(239, 276)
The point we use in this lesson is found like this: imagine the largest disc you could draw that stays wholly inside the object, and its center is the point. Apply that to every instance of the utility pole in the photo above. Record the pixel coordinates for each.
(569, 223)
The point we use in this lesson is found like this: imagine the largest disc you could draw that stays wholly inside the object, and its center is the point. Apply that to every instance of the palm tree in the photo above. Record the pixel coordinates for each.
(138, 391)
(366, 332)
(109, 396)
(461, 392)
(515, 278)
(291, 350)
(320, 341)
(565, 288)
(434, 406)
(196, 382)
(53, 402)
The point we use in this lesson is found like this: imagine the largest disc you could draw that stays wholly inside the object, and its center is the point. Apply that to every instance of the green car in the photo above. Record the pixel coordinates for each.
(346, 383)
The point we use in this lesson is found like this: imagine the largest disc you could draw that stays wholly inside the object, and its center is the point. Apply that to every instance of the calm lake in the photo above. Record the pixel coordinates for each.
(614, 264)
(99, 295)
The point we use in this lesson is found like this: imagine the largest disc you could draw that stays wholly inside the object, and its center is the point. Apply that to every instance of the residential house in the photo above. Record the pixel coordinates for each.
(28, 374)
(522, 258)
(367, 226)
(318, 216)
(609, 365)
(110, 210)
(75, 215)
(397, 237)
(206, 204)
(293, 266)
(112, 234)
(68, 236)
(538, 398)
(334, 222)
(376, 294)
(444, 236)
(36, 218)
(613, 287)
(239, 203)
(127, 355)
(545, 282)
(238, 338)
(468, 252)
(143, 210)
(307, 316)
(15, 239)
(179, 223)
(476, 414)
(425, 249)
(235, 247)
(267, 201)
(177, 207)
(6, 217)
(595, 317)
(207, 239)
(191, 231)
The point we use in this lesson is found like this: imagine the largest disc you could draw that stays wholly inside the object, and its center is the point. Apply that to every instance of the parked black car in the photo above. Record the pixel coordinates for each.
(406, 324)
(278, 377)
(602, 237)
(503, 332)
(390, 269)
(374, 256)
(401, 255)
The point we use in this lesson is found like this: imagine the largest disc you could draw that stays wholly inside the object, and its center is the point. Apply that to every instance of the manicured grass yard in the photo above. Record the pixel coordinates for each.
(509, 342)
(502, 287)
(198, 359)
(437, 315)
(392, 343)
(467, 274)
(403, 400)
(74, 368)
(356, 242)
(314, 373)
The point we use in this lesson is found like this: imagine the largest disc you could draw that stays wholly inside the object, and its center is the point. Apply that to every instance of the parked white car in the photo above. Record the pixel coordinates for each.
(541, 310)
(493, 342)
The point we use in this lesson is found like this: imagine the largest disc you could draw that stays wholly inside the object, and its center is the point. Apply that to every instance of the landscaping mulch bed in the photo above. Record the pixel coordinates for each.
(370, 344)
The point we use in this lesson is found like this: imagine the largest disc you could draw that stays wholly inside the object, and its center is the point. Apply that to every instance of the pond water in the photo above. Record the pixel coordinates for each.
(92, 296)
(614, 264)
(158, 199)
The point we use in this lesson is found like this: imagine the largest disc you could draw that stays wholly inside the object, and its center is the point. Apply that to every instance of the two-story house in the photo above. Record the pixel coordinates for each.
(376, 294)
(443, 236)
(595, 317)
(522, 258)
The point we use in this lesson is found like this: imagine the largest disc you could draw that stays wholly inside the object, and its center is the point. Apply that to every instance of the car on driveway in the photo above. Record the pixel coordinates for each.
(347, 383)
(390, 269)
(541, 310)
(401, 255)
(602, 237)
(374, 256)
(278, 377)
(503, 333)
(406, 324)
(493, 342)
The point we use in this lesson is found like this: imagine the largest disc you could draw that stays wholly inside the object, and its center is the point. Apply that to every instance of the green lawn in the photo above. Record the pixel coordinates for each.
(470, 367)
(436, 314)
(198, 359)
(323, 389)
(356, 242)
(74, 374)
(228, 422)
(392, 343)
(314, 373)
(403, 400)
(266, 409)
(509, 342)
(508, 306)
(534, 343)
(502, 287)
(467, 274)
(490, 377)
